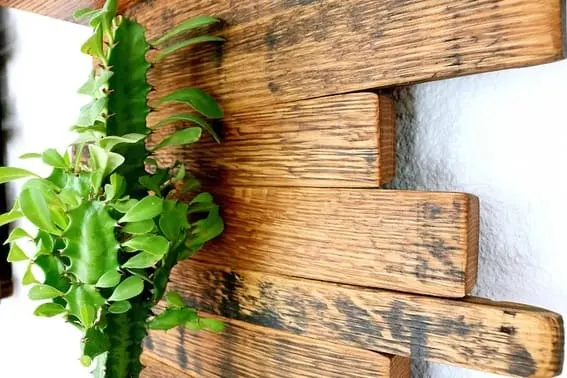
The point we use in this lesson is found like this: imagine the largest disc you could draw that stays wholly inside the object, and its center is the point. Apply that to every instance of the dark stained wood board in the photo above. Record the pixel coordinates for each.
(154, 368)
(497, 337)
(420, 242)
(249, 351)
(62, 9)
(286, 50)
(337, 141)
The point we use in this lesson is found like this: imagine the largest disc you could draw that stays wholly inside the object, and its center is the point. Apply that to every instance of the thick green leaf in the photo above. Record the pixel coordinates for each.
(53, 158)
(172, 317)
(173, 221)
(139, 228)
(153, 244)
(109, 279)
(186, 26)
(31, 155)
(129, 288)
(10, 173)
(118, 185)
(109, 142)
(147, 208)
(43, 208)
(142, 260)
(213, 325)
(98, 127)
(91, 112)
(91, 245)
(40, 292)
(82, 13)
(83, 302)
(119, 307)
(49, 310)
(16, 254)
(114, 161)
(196, 98)
(53, 270)
(70, 197)
(44, 242)
(203, 202)
(95, 343)
(10, 216)
(181, 137)
(124, 206)
(17, 234)
(28, 277)
(206, 229)
(189, 118)
(174, 299)
(94, 84)
(150, 183)
(191, 41)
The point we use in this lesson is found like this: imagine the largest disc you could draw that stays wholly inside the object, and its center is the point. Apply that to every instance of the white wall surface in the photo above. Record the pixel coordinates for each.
(500, 136)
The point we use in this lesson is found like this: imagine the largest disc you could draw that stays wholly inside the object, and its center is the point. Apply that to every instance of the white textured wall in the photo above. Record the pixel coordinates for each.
(500, 136)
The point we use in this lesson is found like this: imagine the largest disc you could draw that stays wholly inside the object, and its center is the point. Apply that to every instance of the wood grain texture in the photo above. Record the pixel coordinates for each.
(154, 368)
(416, 242)
(285, 50)
(496, 337)
(337, 141)
(62, 9)
(249, 351)
(6, 288)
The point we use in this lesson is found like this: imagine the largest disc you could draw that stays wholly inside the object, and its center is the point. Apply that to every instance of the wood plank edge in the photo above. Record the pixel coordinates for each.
(473, 234)
(386, 138)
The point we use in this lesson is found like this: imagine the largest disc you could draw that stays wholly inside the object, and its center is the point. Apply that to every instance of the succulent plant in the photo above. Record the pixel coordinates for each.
(110, 226)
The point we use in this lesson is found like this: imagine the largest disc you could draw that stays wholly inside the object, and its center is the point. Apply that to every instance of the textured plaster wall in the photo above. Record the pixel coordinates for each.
(499, 135)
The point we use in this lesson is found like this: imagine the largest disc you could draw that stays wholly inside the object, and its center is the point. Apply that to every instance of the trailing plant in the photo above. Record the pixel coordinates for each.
(110, 228)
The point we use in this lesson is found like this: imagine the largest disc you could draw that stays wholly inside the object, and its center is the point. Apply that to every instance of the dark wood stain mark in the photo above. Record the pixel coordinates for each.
(360, 324)
(508, 330)
(182, 359)
(148, 343)
(432, 211)
(456, 326)
(521, 362)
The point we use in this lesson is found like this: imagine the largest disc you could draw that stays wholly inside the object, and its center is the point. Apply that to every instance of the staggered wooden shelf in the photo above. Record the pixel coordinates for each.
(321, 273)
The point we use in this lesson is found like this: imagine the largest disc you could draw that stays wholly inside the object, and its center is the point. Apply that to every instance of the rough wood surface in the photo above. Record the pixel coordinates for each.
(284, 50)
(496, 337)
(245, 350)
(62, 9)
(6, 288)
(420, 242)
(337, 141)
(155, 368)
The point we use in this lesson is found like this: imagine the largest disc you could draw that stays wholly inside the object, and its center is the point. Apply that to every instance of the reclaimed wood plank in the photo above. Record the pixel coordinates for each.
(416, 242)
(287, 50)
(61, 9)
(337, 141)
(6, 288)
(154, 368)
(245, 350)
(497, 337)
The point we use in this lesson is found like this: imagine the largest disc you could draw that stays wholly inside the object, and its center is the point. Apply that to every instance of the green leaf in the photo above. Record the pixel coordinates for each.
(93, 45)
(114, 161)
(119, 307)
(150, 183)
(40, 292)
(10, 173)
(98, 127)
(109, 279)
(139, 228)
(147, 208)
(10, 217)
(70, 197)
(109, 142)
(43, 208)
(174, 299)
(189, 118)
(213, 325)
(191, 184)
(203, 202)
(53, 158)
(49, 310)
(173, 220)
(118, 185)
(142, 260)
(129, 288)
(31, 155)
(28, 277)
(188, 25)
(153, 244)
(53, 270)
(94, 84)
(181, 137)
(17, 234)
(16, 254)
(83, 302)
(191, 41)
(171, 318)
(124, 206)
(196, 98)
(91, 245)
(95, 343)
(206, 229)
(83, 13)
(91, 112)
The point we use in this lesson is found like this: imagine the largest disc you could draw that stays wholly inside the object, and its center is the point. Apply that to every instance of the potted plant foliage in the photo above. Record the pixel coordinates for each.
(109, 225)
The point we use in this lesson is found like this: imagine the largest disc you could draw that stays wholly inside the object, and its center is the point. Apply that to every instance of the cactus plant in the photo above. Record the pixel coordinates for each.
(109, 226)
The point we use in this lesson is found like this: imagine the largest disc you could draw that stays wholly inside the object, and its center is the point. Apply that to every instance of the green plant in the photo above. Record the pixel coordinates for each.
(110, 228)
